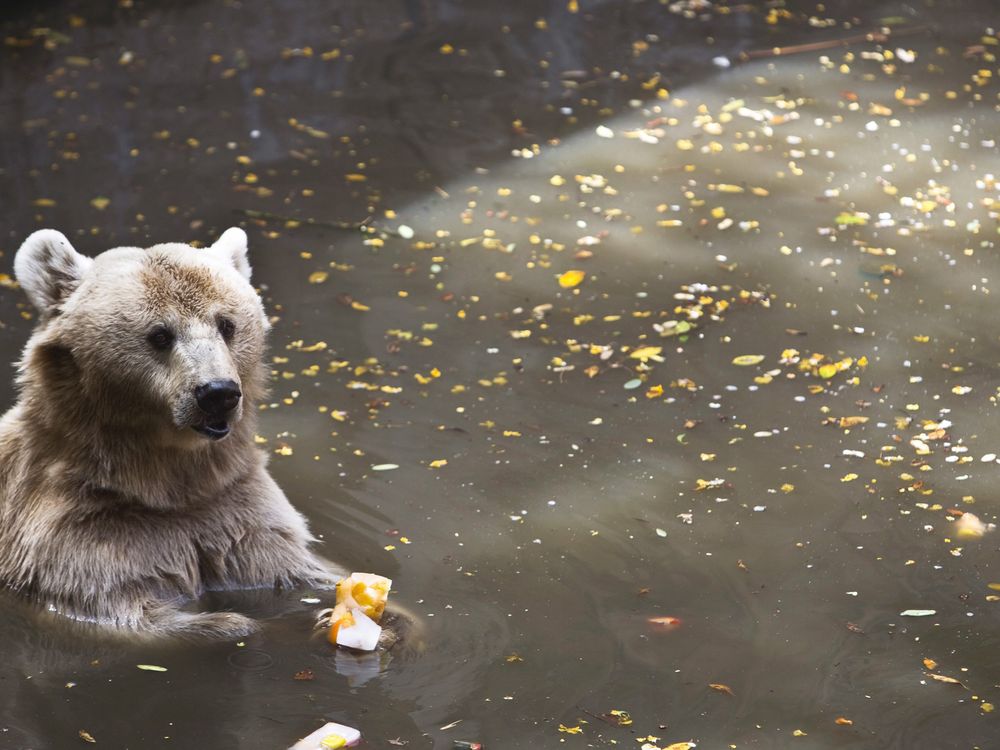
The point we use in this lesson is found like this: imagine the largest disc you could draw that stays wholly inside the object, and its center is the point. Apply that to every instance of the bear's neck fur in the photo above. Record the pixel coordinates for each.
(125, 455)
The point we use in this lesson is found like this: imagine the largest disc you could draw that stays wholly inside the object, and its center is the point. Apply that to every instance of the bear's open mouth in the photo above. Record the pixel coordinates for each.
(213, 430)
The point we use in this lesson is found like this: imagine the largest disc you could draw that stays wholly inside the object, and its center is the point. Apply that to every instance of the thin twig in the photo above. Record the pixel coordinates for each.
(365, 227)
(871, 36)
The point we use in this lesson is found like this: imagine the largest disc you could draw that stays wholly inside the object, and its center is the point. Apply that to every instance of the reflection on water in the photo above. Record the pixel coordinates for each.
(593, 506)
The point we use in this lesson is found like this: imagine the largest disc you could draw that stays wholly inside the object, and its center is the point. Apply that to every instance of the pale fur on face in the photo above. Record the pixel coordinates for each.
(120, 298)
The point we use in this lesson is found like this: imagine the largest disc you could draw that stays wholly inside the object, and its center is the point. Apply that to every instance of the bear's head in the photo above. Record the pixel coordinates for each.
(163, 344)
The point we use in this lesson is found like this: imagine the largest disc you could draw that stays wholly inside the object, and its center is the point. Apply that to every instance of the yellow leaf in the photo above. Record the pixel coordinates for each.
(930, 664)
(355, 305)
(745, 360)
(852, 421)
(571, 279)
(987, 707)
(100, 202)
(570, 730)
(786, 487)
(680, 746)
(318, 277)
(848, 477)
(721, 688)
(438, 463)
(645, 353)
(798, 733)
(827, 371)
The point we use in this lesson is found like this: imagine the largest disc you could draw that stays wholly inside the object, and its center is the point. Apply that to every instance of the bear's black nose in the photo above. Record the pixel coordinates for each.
(217, 397)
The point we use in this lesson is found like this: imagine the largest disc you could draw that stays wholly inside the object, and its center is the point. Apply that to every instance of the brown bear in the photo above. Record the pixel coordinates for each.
(129, 479)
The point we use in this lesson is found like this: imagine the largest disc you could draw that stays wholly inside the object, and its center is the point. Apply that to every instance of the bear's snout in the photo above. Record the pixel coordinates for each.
(217, 399)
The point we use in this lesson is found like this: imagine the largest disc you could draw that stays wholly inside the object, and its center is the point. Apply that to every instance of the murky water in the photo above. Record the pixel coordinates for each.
(593, 507)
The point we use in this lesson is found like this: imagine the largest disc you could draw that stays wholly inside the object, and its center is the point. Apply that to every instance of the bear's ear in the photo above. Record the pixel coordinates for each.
(232, 247)
(48, 268)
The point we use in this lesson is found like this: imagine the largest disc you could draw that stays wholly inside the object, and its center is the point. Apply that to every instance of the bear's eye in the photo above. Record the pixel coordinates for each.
(227, 328)
(161, 338)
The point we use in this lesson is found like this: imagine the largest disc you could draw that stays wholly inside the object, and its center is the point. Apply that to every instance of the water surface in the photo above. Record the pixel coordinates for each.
(571, 461)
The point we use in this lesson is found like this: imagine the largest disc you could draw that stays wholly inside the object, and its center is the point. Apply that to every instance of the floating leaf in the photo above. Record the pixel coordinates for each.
(828, 371)
(719, 687)
(945, 679)
(745, 360)
(646, 353)
(843, 721)
(917, 612)
(151, 668)
(665, 621)
(851, 218)
(571, 279)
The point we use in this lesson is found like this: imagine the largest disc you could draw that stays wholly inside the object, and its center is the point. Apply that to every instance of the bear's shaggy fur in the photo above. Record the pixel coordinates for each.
(121, 497)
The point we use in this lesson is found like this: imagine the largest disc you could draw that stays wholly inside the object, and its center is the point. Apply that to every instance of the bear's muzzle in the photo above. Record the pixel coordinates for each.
(216, 399)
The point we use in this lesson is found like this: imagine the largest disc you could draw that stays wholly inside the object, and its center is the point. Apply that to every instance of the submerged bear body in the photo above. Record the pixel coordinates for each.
(129, 479)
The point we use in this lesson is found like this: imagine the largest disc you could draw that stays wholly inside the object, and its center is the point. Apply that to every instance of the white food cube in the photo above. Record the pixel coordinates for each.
(329, 737)
(360, 632)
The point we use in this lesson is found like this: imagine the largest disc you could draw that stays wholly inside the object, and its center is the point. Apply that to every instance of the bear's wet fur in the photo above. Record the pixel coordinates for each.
(125, 490)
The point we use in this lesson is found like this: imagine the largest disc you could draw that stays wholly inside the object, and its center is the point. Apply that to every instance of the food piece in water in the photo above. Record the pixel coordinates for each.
(329, 737)
(353, 622)
(365, 591)
(351, 627)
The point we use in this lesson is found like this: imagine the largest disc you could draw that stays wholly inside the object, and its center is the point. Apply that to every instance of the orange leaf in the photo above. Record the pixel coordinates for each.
(722, 688)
